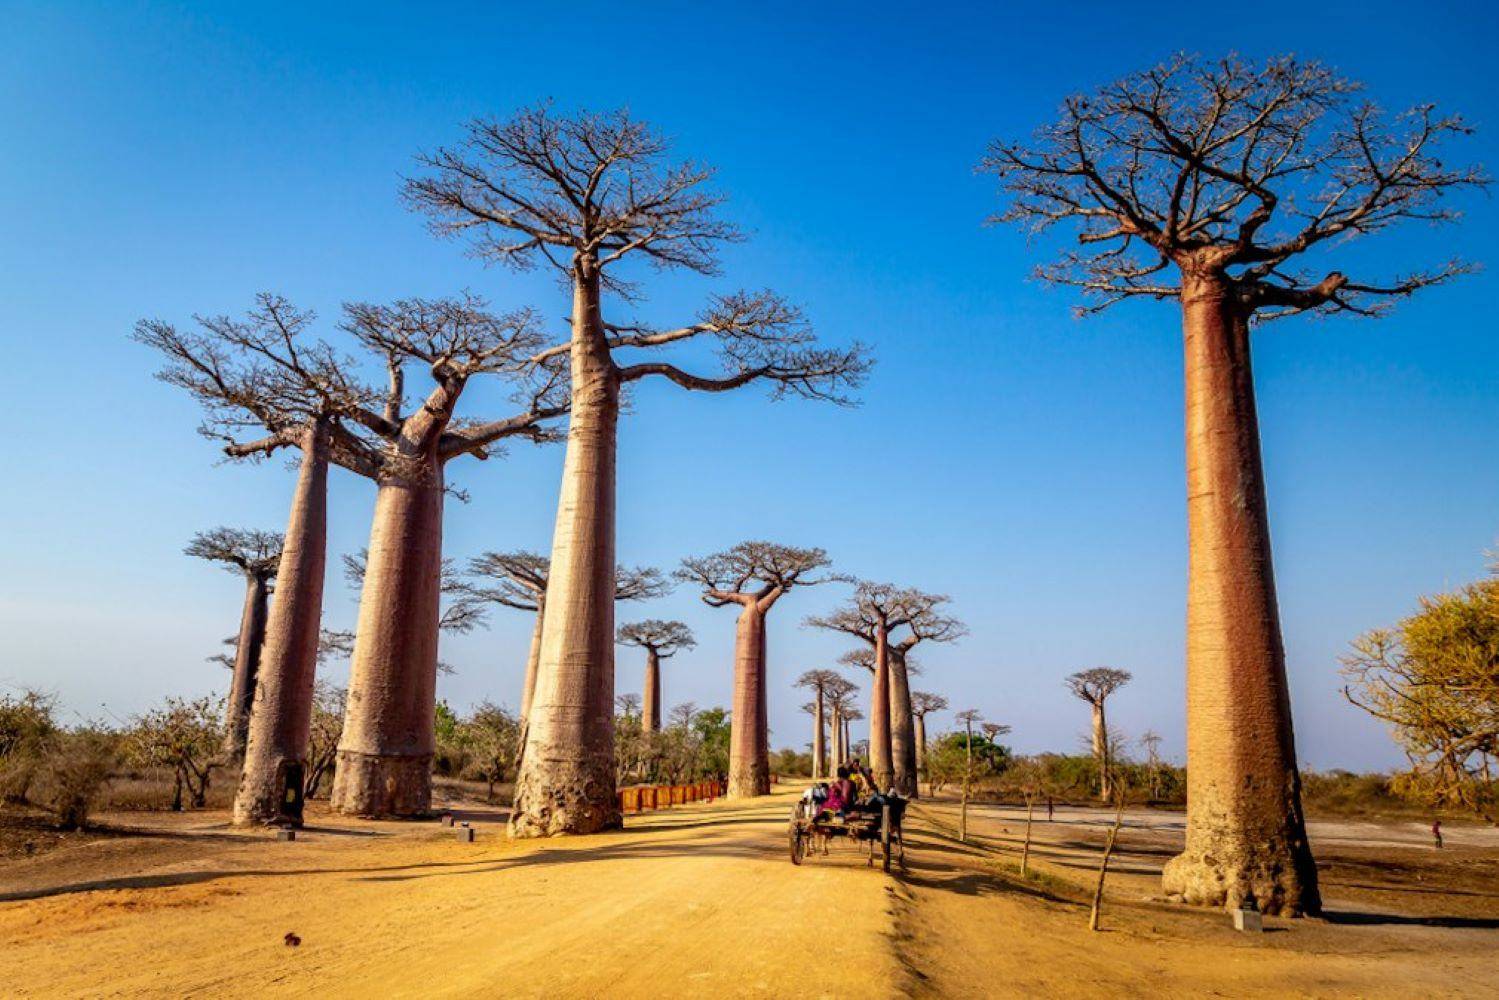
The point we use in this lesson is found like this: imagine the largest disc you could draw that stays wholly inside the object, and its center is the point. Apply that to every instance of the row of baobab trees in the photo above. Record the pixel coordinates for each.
(1225, 185)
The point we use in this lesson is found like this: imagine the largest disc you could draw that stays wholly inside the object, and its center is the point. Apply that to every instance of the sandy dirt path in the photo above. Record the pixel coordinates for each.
(695, 901)
(700, 900)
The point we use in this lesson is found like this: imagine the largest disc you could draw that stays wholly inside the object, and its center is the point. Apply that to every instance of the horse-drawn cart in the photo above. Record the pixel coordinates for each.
(880, 828)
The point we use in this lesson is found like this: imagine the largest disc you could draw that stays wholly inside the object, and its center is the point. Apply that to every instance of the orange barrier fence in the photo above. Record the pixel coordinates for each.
(642, 797)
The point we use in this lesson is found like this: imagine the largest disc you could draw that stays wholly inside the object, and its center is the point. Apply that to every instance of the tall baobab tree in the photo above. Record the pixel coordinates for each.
(519, 580)
(819, 682)
(588, 195)
(753, 576)
(262, 375)
(385, 753)
(660, 640)
(1094, 687)
(460, 610)
(874, 615)
(851, 714)
(839, 695)
(967, 717)
(253, 555)
(924, 703)
(1224, 185)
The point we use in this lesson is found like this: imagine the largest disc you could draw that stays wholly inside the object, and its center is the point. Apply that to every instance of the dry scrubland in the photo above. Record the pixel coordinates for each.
(702, 900)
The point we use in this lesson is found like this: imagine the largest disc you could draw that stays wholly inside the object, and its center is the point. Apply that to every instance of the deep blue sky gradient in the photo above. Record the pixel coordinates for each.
(164, 159)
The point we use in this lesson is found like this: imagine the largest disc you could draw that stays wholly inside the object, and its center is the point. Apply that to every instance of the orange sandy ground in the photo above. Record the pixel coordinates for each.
(702, 901)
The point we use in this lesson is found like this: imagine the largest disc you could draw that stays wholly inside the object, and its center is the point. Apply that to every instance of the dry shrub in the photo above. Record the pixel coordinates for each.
(73, 774)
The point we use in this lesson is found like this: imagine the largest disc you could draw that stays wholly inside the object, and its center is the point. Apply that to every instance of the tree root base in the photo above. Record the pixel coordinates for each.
(556, 797)
(382, 786)
(1233, 871)
(261, 799)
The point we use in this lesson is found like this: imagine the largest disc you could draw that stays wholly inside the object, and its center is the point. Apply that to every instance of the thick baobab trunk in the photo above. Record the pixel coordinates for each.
(533, 662)
(566, 780)
(818, 749)
(246, 664)
(650, 710)
(385, 754)
(921, 745)
(1245, 830)
(1101, 752)
(902, 726)
(749, 749)
(281, 719)
(835, 743)
(848, 740)
(880, 757)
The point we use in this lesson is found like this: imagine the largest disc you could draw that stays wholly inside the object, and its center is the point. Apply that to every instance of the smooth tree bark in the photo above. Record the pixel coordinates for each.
(587, 195)
(261, 374)
(519, 580)
(384, 764)
(753, 576)
(1094, 686)
(252, 555)
(661, 640)
(1239, 179)
(924, 703)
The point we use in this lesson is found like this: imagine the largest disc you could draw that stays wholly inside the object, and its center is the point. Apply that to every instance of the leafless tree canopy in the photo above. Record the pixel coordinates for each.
(666, 638)
(969, 717)
(1095, 685)
(755, 571)
(590, 191)
(261, 374)
(1236, 168)
(923, 703)
(241, 550)
(820, 680)
(876, 604)
(519, 580)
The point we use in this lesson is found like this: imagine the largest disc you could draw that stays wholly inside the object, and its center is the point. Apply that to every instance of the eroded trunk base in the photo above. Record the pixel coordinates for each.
(1230, 858)
(262, 798)
(748, 781)
(382, 786)
(554, 797)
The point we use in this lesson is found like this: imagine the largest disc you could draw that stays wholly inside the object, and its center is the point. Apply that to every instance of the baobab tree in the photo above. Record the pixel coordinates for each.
(1224, 185)
(261, 375)
(588, 195)
(661, 640)
(753, 576)
(875, 612)
(839, 695)
(819, 682)
(1094, 687)
(385, 754)
(253, 555)
(924, 703)
(519, 580)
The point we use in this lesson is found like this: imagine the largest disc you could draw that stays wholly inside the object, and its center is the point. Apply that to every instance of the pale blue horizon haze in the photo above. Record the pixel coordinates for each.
(166, 159)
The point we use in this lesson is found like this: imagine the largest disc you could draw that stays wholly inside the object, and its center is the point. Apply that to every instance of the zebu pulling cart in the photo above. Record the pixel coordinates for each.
(879, 829)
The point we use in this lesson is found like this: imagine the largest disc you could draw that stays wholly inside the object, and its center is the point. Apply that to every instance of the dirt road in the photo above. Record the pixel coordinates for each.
(697, 901)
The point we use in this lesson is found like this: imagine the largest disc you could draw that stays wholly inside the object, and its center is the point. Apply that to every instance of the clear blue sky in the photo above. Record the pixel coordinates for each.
(161, 159)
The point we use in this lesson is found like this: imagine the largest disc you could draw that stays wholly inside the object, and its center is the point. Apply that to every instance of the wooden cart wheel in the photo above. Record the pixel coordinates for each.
(798, 845)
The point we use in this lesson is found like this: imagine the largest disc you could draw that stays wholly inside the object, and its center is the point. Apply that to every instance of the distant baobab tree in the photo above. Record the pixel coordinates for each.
(628, 705)
(924, 703)
(262, 376)
(820, 683)
(1094, 687)
(753, 576)
(385, 754)
(839, 695)
(1223, 184)
(661, 640)
(519, 580)
(253, 555)
(873, 615)
(586, 195)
